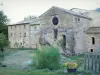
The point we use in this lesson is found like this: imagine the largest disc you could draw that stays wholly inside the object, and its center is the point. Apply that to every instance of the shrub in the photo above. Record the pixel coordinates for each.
(48, 57)
(3, 40)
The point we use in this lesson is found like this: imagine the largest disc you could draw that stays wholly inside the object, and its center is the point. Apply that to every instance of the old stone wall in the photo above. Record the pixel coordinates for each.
(96, 46)
(19, 36)
(67, 21)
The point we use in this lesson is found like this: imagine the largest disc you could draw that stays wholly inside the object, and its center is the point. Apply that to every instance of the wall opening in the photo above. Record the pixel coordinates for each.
(91, 50)
(93, 40)
(64, 40)
(55, 34)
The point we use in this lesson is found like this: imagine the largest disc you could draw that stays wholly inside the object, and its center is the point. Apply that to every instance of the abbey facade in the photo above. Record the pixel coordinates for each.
(68, 30)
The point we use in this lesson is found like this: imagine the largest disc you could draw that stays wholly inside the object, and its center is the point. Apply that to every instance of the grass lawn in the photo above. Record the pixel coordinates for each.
(4, 71)
(76, 57)
(8, 71)
(22, 72)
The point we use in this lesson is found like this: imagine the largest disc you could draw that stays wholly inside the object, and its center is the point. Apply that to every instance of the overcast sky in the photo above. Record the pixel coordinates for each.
(16, 10)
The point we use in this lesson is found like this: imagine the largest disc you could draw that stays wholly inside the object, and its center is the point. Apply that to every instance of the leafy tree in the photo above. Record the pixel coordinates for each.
(3, 23)
(30, 17)
(3, 40)
(3, 43)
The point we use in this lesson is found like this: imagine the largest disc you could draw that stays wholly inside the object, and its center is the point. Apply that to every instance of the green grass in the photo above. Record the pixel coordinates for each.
(8, 71)
(76, 57)
(77, 73)
(13, 50)
(22, 48)
(22, 72)
(4, 71)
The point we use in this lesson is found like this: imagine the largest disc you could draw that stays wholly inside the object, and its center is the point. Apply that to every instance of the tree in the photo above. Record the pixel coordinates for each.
(30, 17)
(3, 23)
(3, 40)
(3, 43)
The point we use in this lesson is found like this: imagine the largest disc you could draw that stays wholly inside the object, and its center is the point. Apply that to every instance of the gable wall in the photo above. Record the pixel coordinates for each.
(67, 20)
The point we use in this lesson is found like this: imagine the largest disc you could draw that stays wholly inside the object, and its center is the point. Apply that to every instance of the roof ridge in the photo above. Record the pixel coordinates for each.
(79, 8)
(71, 12)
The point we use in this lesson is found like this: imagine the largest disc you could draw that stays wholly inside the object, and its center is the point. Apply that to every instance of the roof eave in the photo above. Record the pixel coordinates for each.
(18, 24)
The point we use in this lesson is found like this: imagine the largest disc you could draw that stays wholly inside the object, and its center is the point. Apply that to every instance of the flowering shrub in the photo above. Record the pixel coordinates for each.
(71, 65)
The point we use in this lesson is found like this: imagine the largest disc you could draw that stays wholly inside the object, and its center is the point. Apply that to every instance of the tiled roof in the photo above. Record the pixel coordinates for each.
(93, 30)
(73, 13)
(35, 21)
(68, 11)
(81, 11)
(31, 21)
(28, 21)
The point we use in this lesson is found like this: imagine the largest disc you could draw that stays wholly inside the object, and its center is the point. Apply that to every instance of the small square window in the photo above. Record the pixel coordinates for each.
(35, 28)
(78, 19)
(24, 34)
(91, 50)
(24, 26)
(75, 19)
(11, 34)
(11, 27)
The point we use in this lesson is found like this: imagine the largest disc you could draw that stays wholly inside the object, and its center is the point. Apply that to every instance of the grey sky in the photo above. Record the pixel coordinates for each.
(16, 10)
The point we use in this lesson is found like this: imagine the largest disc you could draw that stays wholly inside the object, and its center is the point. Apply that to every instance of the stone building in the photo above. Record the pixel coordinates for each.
(57, 23)
(75, 30)
(24, 33)
(93, 39)
(93, 32)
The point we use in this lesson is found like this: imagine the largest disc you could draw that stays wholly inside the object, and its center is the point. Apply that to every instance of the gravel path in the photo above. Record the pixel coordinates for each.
(19, 60)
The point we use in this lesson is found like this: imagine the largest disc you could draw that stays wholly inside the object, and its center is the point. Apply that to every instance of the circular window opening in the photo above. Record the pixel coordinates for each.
(55, 20)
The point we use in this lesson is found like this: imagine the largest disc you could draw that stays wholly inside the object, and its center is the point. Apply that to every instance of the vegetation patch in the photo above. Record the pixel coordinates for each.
(47, 57)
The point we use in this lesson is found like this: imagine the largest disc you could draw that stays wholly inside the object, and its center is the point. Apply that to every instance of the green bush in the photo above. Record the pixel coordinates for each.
(3, 40)
(48, 57)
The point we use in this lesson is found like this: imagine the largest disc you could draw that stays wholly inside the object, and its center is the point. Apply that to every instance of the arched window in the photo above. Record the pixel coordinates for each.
(93, 40)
